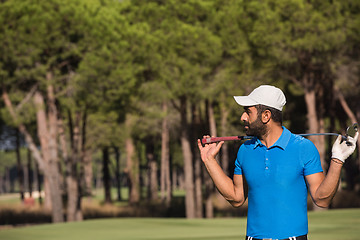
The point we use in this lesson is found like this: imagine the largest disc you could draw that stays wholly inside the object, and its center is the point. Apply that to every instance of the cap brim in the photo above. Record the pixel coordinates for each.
(245, 101)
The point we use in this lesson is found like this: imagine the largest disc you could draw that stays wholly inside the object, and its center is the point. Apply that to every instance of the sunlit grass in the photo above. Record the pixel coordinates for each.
(329, 225)
(10, 199)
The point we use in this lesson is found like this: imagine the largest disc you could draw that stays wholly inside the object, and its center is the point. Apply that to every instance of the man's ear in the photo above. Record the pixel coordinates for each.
(266, 116)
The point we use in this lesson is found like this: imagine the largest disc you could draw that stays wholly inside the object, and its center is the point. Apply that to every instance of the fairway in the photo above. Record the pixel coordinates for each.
(332, 224)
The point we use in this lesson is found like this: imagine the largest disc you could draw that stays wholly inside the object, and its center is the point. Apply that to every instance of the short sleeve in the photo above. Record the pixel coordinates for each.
(238, 161)
(311, 159)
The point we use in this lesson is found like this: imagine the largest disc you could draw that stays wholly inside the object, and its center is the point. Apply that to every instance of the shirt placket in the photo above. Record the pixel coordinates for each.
(267, 164)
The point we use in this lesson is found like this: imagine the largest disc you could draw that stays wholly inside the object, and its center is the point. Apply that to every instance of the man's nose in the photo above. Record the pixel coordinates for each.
(244, 117)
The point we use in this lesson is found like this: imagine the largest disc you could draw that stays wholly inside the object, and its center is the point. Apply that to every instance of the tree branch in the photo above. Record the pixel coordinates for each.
(176, 106)
(27, 98)
(29, 140)
(347, 110)
(344, 105)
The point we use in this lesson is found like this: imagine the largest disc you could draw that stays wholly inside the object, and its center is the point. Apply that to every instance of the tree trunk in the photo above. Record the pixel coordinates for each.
(68, 178)
(47, 137)
(30, 173)
(47, 193)
(74, 212)
(224, 132)
(117, 173)
(210, 190)
(181, 180)
(55, 178)
(106, 175)
(174, 177)
(88, 172)
(153, 180)
(86, 160)
(37, 181)
(20, 170)
(188, 163)
(77, 160)
(43, 135)
(212, 122)
(7, 180)
(1, 184)
(165, 183)
(72, 189)
(26, 175)
(99, 182)
(168, 183)
(132, 172)
(224, 157)
(197, 162)
(198, 187)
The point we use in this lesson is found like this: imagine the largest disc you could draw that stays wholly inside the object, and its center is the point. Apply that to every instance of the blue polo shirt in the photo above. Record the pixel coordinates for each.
(277, 197)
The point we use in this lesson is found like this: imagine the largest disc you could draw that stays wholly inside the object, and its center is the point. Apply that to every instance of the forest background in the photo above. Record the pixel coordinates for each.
(116, 93)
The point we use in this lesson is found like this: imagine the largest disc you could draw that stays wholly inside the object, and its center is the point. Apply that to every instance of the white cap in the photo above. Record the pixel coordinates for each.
(265, 95)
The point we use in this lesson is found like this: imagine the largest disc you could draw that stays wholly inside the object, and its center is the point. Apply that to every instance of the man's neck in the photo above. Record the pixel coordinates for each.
(272, 135)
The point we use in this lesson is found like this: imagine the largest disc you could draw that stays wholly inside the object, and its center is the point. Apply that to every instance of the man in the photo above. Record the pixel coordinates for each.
(275, 170)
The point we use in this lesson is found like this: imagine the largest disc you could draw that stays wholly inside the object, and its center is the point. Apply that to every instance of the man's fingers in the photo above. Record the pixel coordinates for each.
(200, 144)
(200, 141)
(352, 140)
(356, 136)
(219, 145)
(214, 144)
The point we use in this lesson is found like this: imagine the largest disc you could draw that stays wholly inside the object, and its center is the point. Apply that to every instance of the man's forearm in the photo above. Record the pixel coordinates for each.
(340, 151)
(328, 188)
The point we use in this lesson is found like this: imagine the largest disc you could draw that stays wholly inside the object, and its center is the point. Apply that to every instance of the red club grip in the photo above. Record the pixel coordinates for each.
(219, 139)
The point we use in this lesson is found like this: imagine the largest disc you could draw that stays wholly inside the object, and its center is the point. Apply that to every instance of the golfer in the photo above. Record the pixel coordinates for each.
(275, 170)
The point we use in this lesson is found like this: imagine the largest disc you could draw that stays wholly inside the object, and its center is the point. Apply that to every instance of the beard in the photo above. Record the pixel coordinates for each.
(257, 128)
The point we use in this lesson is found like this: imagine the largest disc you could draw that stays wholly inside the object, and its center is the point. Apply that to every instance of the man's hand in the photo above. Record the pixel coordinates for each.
(209, 151)
(343, 149)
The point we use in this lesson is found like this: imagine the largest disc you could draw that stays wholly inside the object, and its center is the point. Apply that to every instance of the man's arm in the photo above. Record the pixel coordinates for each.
(231, 190)
(323, 188)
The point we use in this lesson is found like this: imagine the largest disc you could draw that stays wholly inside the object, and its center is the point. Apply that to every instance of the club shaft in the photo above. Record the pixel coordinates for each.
(239, 138)
(318, 134)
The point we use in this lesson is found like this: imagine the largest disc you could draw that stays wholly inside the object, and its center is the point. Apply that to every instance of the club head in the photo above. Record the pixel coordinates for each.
(352, 130)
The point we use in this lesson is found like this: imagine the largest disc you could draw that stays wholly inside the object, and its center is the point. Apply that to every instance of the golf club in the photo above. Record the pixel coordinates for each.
(350, 131)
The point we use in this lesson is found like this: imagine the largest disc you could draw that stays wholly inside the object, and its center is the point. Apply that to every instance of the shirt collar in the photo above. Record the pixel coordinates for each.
(282, 142)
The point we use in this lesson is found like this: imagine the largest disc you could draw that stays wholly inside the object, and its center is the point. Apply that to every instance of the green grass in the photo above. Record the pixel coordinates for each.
(329, 225)
(335, 224)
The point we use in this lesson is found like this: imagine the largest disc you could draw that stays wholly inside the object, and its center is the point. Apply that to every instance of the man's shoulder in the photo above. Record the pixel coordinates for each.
(302, 143)
(249, 143)
(297, 139)
(247, 146)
